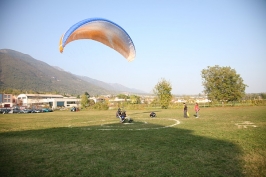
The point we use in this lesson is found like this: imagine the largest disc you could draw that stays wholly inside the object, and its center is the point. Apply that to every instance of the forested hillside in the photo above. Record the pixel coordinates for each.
(21, 71)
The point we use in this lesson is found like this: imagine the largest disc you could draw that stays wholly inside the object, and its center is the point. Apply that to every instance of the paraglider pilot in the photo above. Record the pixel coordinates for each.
(122, 116)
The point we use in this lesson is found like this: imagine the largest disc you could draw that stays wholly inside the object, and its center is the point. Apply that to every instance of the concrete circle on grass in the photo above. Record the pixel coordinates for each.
(114, 125)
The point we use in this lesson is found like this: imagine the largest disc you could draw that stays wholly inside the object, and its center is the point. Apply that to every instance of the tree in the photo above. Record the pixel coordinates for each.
(135, 99)
(163, 91)
(84, 101)
(123, 96)
(262, 95)
(87, 94)
(90, 102)
(222, 84)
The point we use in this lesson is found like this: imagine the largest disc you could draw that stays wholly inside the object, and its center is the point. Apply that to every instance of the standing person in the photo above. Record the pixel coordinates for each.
(185, 110)
(196, 108)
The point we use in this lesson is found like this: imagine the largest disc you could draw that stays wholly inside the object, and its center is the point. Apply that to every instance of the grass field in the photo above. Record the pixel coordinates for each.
(227, 141)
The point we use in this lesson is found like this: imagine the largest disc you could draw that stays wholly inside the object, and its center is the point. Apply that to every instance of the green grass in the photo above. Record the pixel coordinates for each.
(94, 143)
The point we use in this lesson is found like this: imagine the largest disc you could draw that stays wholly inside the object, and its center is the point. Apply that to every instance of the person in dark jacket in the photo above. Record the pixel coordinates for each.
(118, 113)
(185, 110)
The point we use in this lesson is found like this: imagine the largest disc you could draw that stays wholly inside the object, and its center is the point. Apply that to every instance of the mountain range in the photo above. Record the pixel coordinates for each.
(23, 72)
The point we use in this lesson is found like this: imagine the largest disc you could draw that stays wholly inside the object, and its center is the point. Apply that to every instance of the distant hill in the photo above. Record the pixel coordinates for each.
(110, 86)
(21, 71)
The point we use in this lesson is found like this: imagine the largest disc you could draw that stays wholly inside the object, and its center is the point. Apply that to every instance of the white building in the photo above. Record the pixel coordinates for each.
(54, 101)
(97, 100)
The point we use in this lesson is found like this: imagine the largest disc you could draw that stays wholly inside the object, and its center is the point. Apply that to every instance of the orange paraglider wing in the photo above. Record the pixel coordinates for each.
(101, 30)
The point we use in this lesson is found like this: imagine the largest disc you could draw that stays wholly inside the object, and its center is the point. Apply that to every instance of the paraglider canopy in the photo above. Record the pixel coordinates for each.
(101, 30)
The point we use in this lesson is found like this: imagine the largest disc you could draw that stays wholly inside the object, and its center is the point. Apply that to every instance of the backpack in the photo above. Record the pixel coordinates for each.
(152, 114)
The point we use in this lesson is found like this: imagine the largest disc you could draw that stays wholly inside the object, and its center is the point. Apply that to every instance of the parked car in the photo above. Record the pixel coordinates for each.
(4, 110)
(26, 110)
(47, 110)
(16, 110)
(36, 110)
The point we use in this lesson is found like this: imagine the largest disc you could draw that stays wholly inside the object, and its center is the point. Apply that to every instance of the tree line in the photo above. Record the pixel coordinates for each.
(221, 84)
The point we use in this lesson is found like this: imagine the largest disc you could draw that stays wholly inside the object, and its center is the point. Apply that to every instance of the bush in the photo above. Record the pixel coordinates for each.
(99, 106)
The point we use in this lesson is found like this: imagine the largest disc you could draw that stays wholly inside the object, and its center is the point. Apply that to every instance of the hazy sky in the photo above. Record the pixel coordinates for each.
(174, 40)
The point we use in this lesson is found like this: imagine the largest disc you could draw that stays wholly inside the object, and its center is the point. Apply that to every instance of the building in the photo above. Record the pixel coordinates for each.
(53, 101)
(7, 100)
(97, 100)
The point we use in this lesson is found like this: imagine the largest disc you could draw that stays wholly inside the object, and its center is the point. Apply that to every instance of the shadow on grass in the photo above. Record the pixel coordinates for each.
(86, 151)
